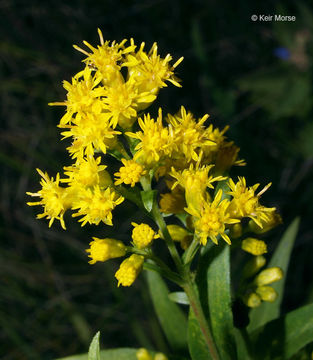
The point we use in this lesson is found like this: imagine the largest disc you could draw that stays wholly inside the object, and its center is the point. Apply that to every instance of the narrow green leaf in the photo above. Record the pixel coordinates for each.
(217, 264)
(147, 198)
(114, 354)
(197, 346)
(284, 337)
(171, 317)
(179, 297)
(242, 343)
(94, 348)
(117, 354)
(270, 311)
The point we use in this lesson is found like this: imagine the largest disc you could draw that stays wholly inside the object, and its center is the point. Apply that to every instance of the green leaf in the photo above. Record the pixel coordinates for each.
(197, 346)
(171, 317)
(270, 311)
(94, 348)
(114, 354)
(284, 337)
(216, 263)
(148, 198)
(179, 297)
(117, 354)
(213, 279)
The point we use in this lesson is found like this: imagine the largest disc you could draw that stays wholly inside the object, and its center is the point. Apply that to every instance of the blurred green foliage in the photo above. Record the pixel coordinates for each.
(51, 300)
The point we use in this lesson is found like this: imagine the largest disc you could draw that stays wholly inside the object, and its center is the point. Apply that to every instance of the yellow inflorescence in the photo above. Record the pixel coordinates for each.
(179, 153)
(143, 235)
(105, 249)
(130, 173)
(129, 270)
(254, 246)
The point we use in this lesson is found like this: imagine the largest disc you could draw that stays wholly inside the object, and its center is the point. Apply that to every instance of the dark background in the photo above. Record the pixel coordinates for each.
(51, 300)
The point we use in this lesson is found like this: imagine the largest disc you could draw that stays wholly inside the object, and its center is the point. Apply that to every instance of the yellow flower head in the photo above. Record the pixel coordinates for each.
(143, 354)
(90, 132)
(150, 71)
(156, 141)
(252, 300)
(180, 235)
(189, 134)
(273, 219)
(245, 202)
(54, 199)
(130, 173)
(267, 293)
(129, 270)
(268, 276)
(211, 219)
(254, 246)
(173, 202)
(83, 96)
(96, 205)
(85, 172)
(143, 235)
(106, 58)
(105, 249)
(227, 156)
(195, 180)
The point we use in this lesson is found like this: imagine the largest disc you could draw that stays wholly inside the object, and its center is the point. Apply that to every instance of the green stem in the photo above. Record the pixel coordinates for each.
(191, 251)
(195, 304)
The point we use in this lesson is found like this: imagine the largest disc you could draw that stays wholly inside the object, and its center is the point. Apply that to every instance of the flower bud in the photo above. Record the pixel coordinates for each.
(129, 270)
(253, 266)
(236, 231)
(105, 249)
(252, 300)
(143, 354)
(268, 276)
(160, 356)
(179, 234)
(254, 246)
(143, 235)
(267, 293)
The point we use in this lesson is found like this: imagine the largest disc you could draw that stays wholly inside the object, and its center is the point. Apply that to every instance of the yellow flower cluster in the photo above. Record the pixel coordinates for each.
(104, 117)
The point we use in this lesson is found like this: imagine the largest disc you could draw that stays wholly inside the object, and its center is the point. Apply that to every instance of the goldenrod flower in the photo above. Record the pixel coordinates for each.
(268, 276)
(143, 235)
(130, 173)
(106, 58)
(55, 199)
(195, 181)
(267, 293)
(96, 205)
(83, 95)
(129, 270)
(90, 132)
(190, 134)
(105, 249)
(156, 141)
(254, 246)
(245, 202)
(227, 156)
(85, 172)
(211, 218)
(173, 202)
(273, 219)
(150, 71)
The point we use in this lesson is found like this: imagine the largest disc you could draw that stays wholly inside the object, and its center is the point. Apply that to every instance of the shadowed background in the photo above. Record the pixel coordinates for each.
(254, 76)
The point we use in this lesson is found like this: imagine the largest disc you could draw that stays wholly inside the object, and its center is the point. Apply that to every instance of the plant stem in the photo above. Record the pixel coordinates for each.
(195, 304)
